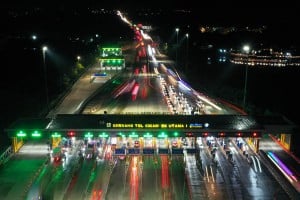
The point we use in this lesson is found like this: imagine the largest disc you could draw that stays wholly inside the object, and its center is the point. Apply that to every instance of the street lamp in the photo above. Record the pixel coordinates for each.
(187, 50)
(45, 76)
(246, 49)
(78, 58)
(177, 30)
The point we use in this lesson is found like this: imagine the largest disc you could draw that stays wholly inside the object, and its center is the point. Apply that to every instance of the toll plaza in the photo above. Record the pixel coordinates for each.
(142, 133)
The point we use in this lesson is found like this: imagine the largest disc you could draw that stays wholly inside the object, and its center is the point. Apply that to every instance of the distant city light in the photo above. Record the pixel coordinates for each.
(264, 57)
(34, 37)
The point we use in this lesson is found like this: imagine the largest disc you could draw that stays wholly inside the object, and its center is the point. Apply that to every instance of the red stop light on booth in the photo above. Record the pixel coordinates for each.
(239, 134)
(189, 134)
(71, 134)
(222, 134)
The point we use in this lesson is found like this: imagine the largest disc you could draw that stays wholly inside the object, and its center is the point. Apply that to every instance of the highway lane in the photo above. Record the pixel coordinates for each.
(99, 184)
(151, 178)
(102, 100)
(148, 100)
(179, 186)
(195, 181)
(148, 178)
(135, 178)
(217, 172)
(117, 189)
(82, 89)
(292, 166)
(78, 185)
(18, 175)
(62, 173)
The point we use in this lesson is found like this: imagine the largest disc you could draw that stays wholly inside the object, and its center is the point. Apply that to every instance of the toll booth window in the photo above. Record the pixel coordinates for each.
(90, 145)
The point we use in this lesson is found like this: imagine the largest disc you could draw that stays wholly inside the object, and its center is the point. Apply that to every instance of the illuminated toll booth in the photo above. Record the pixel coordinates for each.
(110, 51)
(280, 129)
(27, 129)
(111, 58)
(112, 63)
(55, 139)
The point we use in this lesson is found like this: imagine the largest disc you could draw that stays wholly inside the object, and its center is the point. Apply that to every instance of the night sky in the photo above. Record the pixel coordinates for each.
(230, 12)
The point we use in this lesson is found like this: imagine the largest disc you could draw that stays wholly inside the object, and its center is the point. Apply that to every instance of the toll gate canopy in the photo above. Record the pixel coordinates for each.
(107, 125)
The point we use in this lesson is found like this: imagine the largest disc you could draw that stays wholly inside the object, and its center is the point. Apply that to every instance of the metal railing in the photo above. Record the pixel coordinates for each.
(6, 155)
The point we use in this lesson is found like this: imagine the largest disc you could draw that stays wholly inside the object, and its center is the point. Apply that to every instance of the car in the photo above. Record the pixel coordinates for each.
(228, 152)
(174, 144)
(57, 154)
(57, 158)
(89, 153)
(136, 144)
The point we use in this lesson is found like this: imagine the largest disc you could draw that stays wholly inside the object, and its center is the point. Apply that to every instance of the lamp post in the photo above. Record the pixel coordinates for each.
(78, 58)
(45, 76)
(246, 49)
(177, 30)
(187, 51)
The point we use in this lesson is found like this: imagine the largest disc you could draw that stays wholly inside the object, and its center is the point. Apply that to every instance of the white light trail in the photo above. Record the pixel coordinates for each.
(145, 36)
(211, 170)
(253, 160)
(123, 18)
(258, 163)
(209, 102)
(207, 173)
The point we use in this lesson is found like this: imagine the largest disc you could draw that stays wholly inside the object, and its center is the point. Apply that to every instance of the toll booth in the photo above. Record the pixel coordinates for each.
(254, 143)
(55, 141)
(17, 143)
